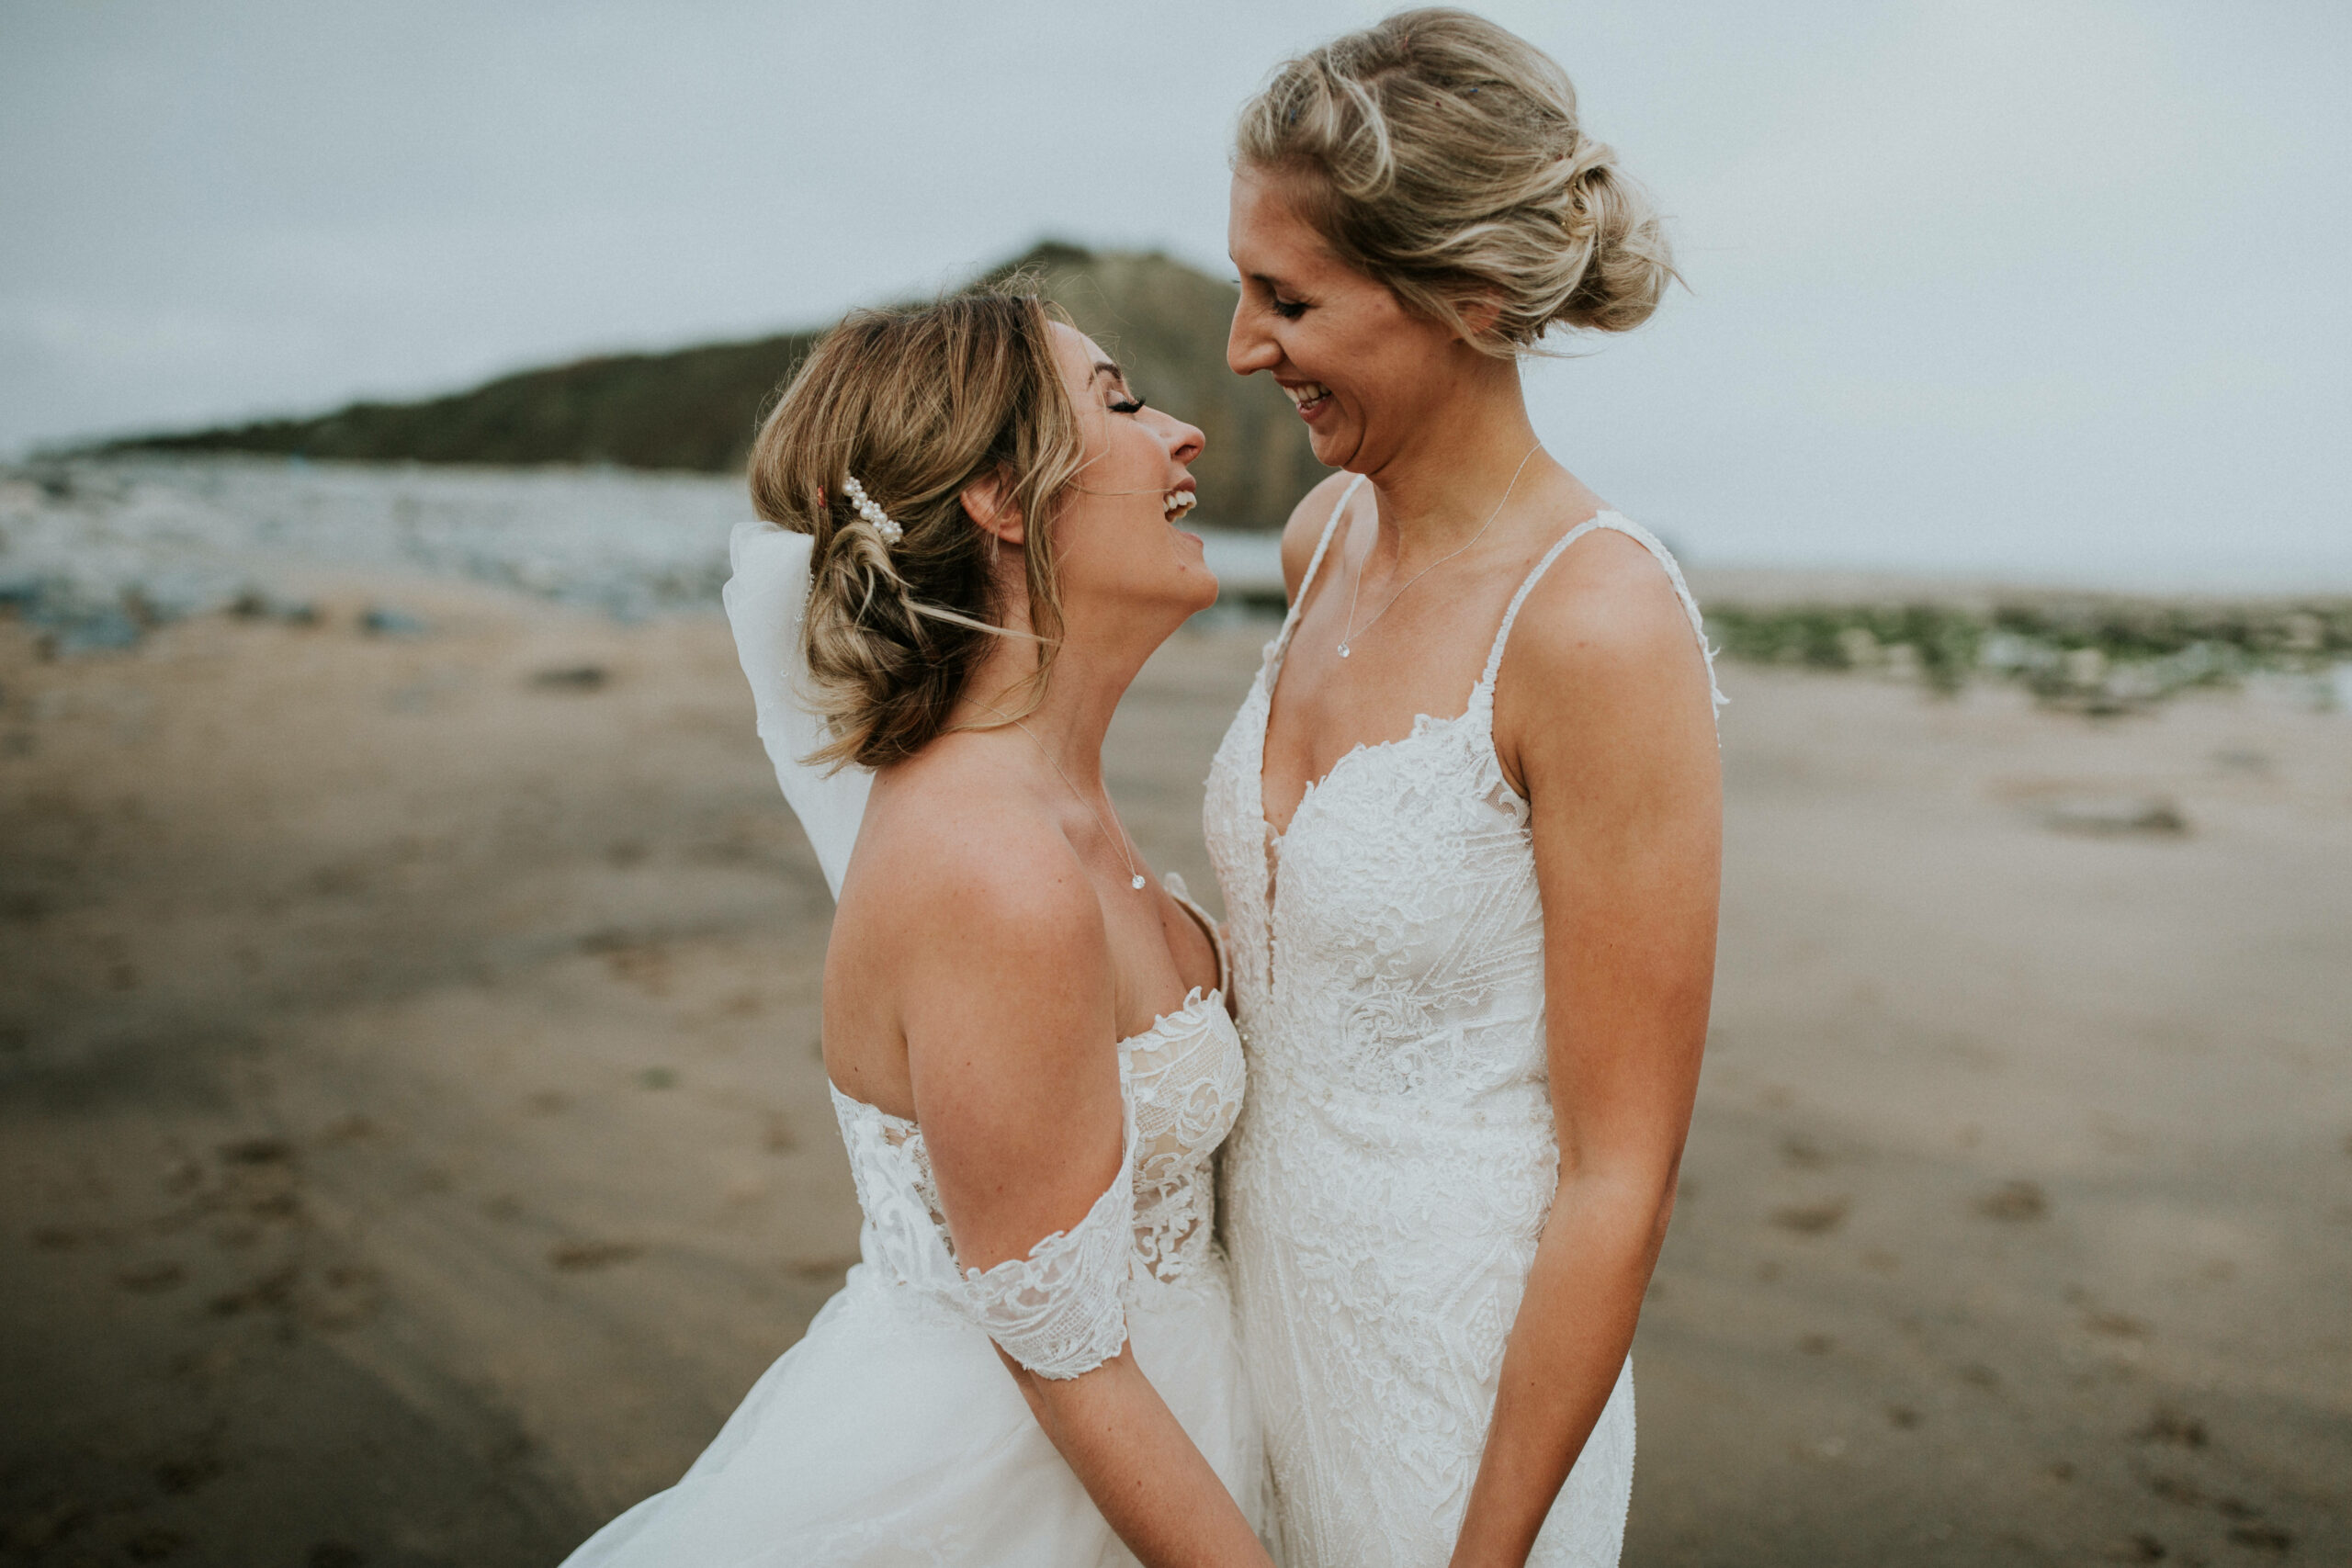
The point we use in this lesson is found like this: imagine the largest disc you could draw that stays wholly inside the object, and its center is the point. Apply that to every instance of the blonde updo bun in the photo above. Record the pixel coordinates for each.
(1440, 153)
(917, 402)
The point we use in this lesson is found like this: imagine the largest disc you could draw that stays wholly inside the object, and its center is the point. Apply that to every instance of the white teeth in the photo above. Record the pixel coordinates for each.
(1307, 393)
(1177, 502)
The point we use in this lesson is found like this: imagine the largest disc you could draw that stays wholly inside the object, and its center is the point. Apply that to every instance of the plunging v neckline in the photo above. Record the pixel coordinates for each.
(1424, 724)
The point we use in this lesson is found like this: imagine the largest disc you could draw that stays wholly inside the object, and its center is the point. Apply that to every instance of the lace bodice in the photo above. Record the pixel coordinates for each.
(1061, 1309)
(1393, 1171)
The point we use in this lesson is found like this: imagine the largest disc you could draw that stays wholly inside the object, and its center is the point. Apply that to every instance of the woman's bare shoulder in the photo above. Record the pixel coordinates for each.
(952, 848)
(1604, 630)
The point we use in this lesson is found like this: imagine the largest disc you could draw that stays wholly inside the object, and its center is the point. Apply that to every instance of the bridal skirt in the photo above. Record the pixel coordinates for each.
(892, 1436)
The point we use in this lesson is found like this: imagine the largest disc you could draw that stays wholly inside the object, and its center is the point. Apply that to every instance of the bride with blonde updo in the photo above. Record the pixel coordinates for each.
(1470, 873)
(968, 551)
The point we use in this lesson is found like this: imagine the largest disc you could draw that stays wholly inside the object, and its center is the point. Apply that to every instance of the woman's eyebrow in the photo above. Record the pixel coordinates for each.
(1105, 366)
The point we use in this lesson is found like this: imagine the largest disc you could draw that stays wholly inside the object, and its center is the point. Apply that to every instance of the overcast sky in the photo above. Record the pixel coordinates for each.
(2042, 288)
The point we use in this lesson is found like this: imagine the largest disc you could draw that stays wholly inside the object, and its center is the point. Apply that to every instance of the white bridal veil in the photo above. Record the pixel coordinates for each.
(766, 600)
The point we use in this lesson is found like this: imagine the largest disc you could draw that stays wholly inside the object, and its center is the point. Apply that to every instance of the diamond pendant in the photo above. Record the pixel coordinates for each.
(1138, 883)
(1343, 651)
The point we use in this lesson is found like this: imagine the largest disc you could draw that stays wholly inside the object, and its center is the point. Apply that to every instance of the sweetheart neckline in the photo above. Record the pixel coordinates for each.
(1196, 1000)
(1424, 724)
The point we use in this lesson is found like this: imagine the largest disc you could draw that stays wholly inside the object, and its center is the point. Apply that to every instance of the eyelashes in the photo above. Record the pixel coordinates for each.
(1288, 309)
(1129, 405)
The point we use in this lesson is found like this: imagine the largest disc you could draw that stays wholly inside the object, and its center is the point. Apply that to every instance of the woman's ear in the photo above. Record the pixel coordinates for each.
(989, 503)
(1479, 313)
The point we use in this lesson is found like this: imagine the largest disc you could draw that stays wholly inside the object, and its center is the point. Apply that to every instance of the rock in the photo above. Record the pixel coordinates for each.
(259, 604)
(378, 620)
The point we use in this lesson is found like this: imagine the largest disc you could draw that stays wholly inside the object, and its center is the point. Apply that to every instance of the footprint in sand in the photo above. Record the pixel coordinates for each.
(2167, 1425)
(1813, 1219)
(1802, 1153)
(2014, 1201)
(147, 1278)
(579, 1256)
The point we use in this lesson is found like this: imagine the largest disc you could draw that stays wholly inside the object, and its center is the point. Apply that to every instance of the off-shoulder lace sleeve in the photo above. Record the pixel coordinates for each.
(1062, 1312)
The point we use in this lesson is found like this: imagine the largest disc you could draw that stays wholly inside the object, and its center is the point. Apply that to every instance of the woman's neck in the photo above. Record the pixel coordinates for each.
(1074, 715)
(1444, 481)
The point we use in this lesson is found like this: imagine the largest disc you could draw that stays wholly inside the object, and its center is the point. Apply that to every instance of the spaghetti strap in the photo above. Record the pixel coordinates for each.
(1281, 645)
(1639, 535)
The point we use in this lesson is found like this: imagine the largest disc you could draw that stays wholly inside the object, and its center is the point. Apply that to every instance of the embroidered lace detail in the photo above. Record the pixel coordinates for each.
(1184, 1083)
(1061, 1311)
(1392, 1172)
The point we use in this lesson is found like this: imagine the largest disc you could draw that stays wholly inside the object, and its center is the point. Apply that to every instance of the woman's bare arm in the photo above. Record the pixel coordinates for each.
(1011, 1053)
(1608, 729)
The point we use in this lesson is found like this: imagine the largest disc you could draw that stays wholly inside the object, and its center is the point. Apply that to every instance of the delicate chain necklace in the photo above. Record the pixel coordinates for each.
(1352, 633)
(1135, 877)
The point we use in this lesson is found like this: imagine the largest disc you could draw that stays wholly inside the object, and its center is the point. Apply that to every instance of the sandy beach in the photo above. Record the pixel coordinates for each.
(416, 1142)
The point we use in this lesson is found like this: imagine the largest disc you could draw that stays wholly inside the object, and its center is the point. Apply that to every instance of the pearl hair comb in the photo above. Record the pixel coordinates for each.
(862, 504)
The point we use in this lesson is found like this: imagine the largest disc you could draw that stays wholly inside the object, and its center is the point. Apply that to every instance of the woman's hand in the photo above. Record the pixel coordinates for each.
(1605, 723)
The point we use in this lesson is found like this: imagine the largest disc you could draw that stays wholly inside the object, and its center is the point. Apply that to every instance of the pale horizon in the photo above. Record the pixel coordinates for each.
(2001, 290)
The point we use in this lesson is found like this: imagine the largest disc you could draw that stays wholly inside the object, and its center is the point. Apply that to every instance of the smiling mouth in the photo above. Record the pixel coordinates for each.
(1309, 398)
(1177, 503)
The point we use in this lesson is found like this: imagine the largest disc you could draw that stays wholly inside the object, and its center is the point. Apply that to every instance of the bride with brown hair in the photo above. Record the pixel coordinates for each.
(1466, 823)
(968, 553)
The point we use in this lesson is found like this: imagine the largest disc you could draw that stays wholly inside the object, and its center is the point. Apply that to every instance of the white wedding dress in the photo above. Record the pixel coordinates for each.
(892, 1434)
(1395, 1166)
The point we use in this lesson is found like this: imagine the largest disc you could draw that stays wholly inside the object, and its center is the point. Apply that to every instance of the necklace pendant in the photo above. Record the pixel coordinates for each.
(1343, 651)
(1138, 883)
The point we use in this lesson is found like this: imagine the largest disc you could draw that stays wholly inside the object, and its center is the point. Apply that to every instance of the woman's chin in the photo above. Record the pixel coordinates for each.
(1196, 591)
(1332, 447)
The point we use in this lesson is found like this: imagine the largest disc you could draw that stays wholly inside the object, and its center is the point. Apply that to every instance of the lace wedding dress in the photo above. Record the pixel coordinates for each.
(1392, 1172)
(891, 1434)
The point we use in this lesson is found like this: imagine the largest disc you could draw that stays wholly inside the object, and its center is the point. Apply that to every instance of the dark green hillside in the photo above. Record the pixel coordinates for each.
(693, 409)
(696, 408)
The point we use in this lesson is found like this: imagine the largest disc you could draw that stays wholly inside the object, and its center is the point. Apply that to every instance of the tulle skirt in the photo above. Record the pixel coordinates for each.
(892, 1436)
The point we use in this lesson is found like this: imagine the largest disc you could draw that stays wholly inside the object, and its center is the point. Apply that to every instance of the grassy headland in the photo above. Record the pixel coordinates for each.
(698, 408)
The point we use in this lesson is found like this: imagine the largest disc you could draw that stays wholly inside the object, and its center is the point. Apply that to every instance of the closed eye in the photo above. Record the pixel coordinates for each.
(1288, 309)
(1127, 402)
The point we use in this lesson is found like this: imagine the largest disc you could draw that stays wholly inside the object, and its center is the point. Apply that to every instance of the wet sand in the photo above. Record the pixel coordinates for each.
(415, 1140)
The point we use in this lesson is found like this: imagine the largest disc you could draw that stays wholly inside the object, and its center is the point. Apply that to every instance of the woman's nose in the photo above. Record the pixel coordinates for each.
(1246, 348)
(1185, 441)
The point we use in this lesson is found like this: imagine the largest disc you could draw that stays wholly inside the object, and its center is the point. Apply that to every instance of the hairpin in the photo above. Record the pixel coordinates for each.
(862, 504)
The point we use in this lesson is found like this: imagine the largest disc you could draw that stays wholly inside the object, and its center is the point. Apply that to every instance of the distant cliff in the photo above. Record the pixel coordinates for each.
(696, 408)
